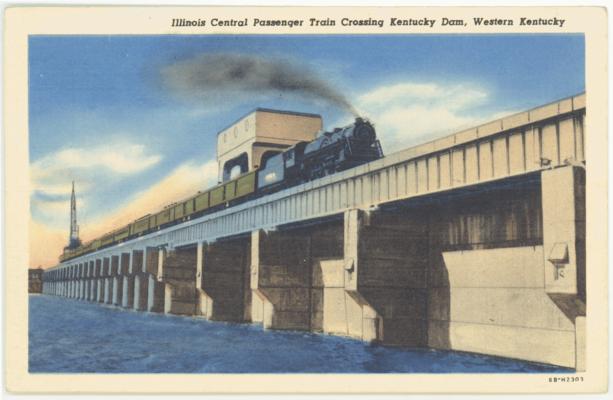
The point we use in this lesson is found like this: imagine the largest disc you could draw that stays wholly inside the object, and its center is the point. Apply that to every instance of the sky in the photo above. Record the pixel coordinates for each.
(133, 119)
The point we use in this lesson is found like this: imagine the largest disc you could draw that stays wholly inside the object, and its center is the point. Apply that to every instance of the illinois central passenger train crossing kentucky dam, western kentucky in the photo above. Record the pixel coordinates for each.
(472, 242)
(351, 22)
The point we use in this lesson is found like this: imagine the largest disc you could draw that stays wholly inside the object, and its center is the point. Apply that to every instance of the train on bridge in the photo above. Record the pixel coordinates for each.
(330, 152)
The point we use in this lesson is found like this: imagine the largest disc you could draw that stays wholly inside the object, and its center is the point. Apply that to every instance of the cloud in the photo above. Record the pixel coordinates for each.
(184, 181)
(408, 113)
(456, 96)
(91, 167)
(117, 158)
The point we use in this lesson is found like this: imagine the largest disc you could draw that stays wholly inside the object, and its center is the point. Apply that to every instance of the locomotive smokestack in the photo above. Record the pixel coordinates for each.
(212, 74)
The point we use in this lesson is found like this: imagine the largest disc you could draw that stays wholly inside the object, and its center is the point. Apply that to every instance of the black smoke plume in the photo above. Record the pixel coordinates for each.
(215, 74)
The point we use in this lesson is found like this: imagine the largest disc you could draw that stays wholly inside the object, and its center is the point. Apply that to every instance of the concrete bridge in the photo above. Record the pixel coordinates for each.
(473, 242)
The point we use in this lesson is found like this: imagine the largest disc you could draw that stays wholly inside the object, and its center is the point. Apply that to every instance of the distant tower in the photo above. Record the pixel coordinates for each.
(73, 240)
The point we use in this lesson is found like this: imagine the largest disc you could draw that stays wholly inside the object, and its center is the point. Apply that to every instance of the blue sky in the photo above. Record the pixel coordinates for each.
(102, 114)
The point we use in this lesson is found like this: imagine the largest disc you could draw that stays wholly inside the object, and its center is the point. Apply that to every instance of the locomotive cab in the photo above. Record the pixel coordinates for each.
(282, 168)
(273, 172)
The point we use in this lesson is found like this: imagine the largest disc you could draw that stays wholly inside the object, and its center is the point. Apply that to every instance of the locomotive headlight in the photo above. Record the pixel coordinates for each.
(270, 177)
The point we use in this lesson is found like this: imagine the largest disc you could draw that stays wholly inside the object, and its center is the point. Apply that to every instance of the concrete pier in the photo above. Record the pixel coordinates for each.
(140, 291)
(150, 287)
(117, 290)
(225, 285)
(155, 295)
(100, 290)
(107, 290)
(286, 275)
(180, 266)
(127, 298)
(139, 298)
(134, 262)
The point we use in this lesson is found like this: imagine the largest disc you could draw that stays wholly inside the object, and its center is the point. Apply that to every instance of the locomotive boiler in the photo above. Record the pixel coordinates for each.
(330, 152)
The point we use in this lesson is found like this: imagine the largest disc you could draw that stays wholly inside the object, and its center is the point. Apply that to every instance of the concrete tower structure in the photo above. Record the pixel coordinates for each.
(249, 142)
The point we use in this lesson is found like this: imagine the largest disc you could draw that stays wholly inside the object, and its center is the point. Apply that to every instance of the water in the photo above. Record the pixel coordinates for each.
(72, 336)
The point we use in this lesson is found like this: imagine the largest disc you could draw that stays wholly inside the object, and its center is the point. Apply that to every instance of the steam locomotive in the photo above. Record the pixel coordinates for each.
(331, 152)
